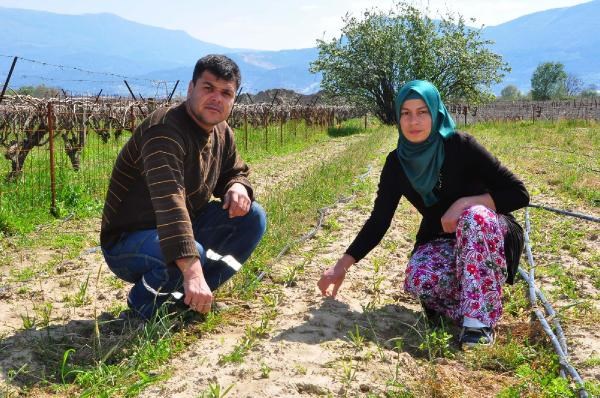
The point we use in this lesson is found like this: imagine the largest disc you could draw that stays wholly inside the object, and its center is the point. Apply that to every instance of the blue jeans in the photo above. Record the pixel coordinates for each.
(137, 257)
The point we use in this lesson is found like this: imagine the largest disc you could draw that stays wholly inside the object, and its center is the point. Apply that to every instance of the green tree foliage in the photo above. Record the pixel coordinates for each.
(40, 91)
(380, 51)
(510, 93)
(590, 92)
(549, 81)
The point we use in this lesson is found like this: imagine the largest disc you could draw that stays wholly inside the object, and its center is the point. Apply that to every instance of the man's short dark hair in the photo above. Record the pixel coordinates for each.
(221, 66)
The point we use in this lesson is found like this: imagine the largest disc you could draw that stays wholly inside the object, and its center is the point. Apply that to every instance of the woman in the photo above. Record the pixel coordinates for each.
(459, 263)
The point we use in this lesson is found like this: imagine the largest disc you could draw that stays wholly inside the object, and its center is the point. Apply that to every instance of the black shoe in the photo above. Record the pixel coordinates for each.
(176, 306)
(471, 337)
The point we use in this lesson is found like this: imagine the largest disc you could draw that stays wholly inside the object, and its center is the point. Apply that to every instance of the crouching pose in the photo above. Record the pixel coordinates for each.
(160, 229)
(468, 245)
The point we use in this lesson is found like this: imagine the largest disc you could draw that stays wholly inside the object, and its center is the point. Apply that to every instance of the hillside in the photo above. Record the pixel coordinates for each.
(568, 35)
(110, 44)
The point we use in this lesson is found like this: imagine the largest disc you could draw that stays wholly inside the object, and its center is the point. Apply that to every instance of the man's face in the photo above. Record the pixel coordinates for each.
(210, 100)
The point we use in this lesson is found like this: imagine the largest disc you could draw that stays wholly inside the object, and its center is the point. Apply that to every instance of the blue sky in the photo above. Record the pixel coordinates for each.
(271, 24)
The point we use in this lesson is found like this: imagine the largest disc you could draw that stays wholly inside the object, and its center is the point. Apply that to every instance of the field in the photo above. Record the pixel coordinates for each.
(277, 337)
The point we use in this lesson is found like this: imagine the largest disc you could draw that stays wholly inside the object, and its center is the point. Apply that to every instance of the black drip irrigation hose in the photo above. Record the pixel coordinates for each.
(558, 339)
(309, 235)
(559, 342)
(566, 213)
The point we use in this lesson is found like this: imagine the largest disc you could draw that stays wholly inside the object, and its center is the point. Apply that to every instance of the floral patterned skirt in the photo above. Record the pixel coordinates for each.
(463, 276)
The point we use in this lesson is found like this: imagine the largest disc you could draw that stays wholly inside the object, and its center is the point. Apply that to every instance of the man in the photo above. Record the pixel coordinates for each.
(160, 231)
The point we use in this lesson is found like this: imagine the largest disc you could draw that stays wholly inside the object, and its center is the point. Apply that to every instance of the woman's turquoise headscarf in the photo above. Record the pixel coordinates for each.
(422, 161)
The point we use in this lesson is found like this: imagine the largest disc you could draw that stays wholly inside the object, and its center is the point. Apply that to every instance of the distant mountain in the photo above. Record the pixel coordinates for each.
(261, 70)
(568, 35)
(94, 42)
(101, 42)
(110, 44)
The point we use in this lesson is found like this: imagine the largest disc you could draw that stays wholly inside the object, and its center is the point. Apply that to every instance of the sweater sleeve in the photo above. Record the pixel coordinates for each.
(507, 191)
(386, 203)
(163, 154)
(233, 168)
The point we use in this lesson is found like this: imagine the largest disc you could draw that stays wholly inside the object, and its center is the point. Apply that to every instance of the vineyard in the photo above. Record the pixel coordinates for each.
(76, 139)
(51, 146)
(575, 109)
(315, 170)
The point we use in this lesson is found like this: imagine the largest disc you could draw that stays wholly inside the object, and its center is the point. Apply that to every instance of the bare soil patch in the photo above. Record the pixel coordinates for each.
(309, 348)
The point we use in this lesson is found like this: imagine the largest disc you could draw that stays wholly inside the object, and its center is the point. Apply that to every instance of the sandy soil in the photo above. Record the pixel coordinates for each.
(308, 349)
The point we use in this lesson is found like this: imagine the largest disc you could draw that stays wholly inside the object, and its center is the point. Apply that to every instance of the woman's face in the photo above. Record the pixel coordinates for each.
(415, 120)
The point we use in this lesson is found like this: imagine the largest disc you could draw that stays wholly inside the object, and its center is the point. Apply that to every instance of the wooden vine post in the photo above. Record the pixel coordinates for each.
(50, 123)
(281, 131)
(246, 129)
(266, 124)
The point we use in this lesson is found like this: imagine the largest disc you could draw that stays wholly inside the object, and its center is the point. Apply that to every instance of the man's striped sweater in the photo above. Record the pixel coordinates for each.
(165, 174)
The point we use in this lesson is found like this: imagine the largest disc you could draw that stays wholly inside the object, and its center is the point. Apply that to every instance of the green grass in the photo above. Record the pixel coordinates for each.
(292, 212)
(130, 367)
(559, 161)
(508, 355)
(215, 390)
(559, 158)
(126, 373)
(126, 369)
(516, 299)
(26, 202)
(296, 137)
